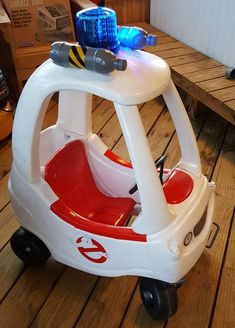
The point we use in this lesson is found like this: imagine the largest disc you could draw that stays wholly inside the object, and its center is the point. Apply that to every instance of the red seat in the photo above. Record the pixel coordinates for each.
(177, 187)
(69, 175)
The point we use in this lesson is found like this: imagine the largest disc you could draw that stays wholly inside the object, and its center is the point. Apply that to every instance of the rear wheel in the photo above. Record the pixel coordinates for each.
(159, 298)
(28, 247)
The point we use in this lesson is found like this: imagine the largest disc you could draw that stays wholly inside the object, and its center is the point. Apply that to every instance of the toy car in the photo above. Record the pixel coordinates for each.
(74, 197)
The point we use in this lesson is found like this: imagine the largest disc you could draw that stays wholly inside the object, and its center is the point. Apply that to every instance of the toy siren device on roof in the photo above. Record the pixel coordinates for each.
(98, 60)
(135, 37)
(73, 197)
(97, 28)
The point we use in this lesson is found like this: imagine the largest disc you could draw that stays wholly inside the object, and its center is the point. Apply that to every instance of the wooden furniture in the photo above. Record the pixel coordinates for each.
(27, 60)
(200, 76)
(128, 11)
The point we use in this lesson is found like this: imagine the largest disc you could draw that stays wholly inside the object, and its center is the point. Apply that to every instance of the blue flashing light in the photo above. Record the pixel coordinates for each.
(135, 37)
(97, 28)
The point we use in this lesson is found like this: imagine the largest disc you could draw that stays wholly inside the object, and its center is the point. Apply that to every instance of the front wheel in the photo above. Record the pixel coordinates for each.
(159, 298)
(28, 247)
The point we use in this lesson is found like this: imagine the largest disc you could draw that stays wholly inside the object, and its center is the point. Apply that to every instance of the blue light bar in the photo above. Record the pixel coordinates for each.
(97, 28)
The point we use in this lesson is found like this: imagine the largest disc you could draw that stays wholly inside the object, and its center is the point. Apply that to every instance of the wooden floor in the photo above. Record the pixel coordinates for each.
(53, 295)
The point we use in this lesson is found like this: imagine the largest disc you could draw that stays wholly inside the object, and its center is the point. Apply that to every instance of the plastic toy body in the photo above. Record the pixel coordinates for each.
(69, 190)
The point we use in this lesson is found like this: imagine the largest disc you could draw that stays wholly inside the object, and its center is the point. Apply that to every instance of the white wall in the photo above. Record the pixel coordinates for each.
(206, 25)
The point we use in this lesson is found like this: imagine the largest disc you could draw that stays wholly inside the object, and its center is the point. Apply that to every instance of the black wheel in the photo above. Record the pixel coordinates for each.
(159, 298)
(230, 73)
(28, 247)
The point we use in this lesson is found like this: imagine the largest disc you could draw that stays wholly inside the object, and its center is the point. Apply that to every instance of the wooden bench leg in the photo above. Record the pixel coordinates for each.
(191, 105)
(21, 85)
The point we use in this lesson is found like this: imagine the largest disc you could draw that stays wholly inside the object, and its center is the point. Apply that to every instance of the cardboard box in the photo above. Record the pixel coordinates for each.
(36, 23)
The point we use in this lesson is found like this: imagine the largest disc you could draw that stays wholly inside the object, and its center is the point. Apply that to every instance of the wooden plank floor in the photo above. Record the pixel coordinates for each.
(197, 74)
(53, 295)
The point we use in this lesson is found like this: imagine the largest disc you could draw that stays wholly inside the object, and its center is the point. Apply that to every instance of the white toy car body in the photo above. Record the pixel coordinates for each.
(85, 227)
